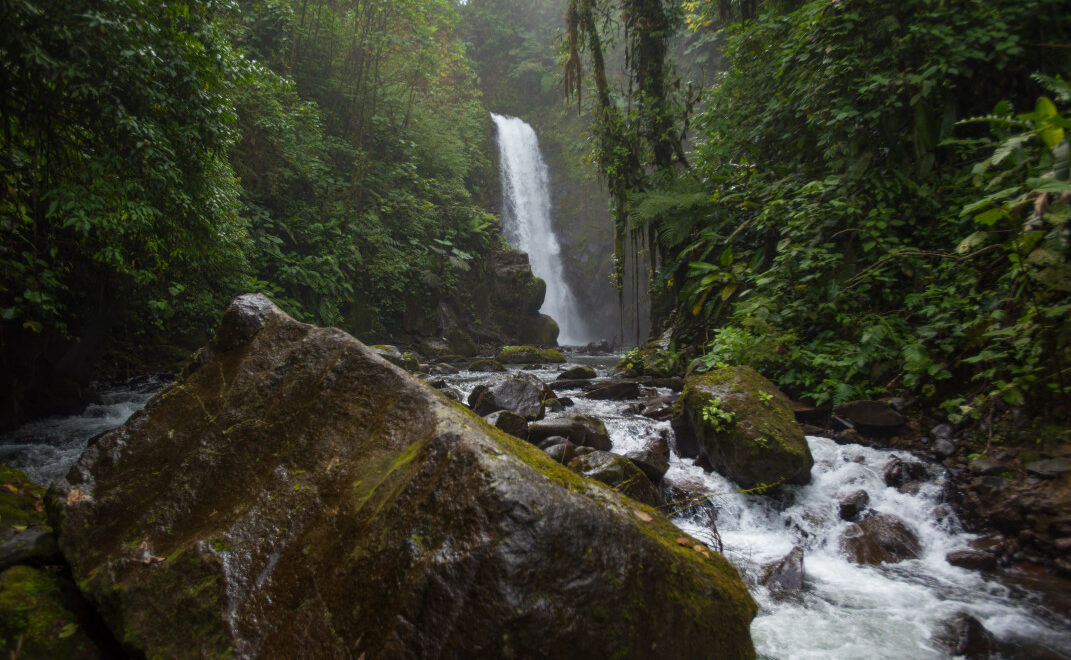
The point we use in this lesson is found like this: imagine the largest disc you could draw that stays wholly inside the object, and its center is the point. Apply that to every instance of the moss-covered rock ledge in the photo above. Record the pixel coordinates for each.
(745, 427)
(295, 495)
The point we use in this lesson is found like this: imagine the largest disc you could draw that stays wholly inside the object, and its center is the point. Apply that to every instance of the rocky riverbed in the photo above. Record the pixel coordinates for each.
(225, 488)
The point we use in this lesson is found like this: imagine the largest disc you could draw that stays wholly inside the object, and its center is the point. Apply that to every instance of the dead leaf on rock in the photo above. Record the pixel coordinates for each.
(76, 496)
(642, 515)
(683, 541)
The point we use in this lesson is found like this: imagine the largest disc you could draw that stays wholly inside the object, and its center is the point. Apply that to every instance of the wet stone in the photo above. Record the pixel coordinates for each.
(963, 635)
(852, 505)
(975, 560)
(785, 576)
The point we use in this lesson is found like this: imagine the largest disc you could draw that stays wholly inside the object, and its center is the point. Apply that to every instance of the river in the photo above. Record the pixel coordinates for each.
(846, 611)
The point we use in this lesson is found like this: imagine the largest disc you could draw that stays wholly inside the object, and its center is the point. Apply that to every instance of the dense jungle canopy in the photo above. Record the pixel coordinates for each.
(856, 197)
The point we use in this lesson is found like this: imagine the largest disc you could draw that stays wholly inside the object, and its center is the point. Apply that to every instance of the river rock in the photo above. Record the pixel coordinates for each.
(614, 391)
(784, 577)
(562, 452)
(619, 473)
(975, 560)
(660, 408)
(875, 414)
(583, 430)
(486, 366)
(529, 355)
(598, 347)
(761, 443)
(516, 395)
(1049, 468)
(943, 448)
(442, 369)
(580, 372)
(509, 422)
(851, 506)
(964, 636)
(898, 472)
(295, 494)
(883, 538)
(653, 463)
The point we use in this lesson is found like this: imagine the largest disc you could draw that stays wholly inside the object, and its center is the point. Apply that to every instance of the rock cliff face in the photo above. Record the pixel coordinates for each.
(295, 494)
(507, 311)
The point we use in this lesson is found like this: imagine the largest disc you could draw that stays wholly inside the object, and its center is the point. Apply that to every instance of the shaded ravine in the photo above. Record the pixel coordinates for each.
(845, 610)
(526, 222)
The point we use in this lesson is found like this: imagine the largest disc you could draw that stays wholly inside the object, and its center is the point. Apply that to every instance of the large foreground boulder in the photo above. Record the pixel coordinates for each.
(744, 426)
(294, 495)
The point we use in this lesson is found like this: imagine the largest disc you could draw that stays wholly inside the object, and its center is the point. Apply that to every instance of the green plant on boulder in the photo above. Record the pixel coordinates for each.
(745, 427)
(716, 417)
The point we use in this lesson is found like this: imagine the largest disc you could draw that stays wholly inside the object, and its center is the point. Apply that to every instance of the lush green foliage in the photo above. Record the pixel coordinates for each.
(159, 157)
(844, 228)
(113, 162)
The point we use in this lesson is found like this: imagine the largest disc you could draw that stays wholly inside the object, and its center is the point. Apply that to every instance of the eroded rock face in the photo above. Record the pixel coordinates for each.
(748, 431)
(294, 492)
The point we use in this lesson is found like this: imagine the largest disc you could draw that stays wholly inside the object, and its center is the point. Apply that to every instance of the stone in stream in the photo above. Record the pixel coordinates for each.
(852, 505)
(744, 426)
(652, 462)
(975, 560)
(614, 391)
(580, 372)
(784, 577)
(516, 395)
(486, 366)
(660, 408)
(529, 355)
(293, 494)
(562, 452)
(619, 473)
(883, 538)
(898, 473)
(583, 430)
(508, 422)
(964, 636)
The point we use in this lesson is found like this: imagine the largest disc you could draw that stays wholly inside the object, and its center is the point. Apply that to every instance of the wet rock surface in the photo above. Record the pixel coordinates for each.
(852, 505)
(964, 636)
(880, 539)
(785, 576)
(297, 493)
(744, 426)
(619, 473)
(582, 430)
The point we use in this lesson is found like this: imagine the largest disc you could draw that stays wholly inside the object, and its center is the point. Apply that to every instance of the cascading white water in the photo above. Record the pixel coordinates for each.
(526, 221)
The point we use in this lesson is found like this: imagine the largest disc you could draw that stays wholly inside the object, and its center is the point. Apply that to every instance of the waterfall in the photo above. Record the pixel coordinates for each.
(526, 221)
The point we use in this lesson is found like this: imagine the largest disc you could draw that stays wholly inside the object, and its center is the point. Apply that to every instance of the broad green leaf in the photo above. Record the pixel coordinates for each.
(972, 242)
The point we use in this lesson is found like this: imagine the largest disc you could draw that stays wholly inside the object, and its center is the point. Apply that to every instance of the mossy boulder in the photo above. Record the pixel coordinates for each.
(744, 426)
(619, 473)
(392, 354)
(486, 366)
(294, 494)
(529, 355)
(34, 620)
(579, 372)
